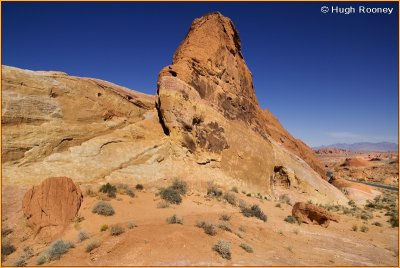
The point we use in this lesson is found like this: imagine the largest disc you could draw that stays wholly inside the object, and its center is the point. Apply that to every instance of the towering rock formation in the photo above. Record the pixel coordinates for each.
(206, 124)
(208, 67)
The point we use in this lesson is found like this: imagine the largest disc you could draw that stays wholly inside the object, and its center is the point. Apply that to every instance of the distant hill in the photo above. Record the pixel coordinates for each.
(363, 146)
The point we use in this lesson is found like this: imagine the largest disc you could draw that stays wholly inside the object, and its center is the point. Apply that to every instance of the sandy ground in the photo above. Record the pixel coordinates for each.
(155, 242)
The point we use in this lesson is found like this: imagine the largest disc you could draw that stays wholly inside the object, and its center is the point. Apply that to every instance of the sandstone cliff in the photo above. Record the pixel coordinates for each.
(204, 124)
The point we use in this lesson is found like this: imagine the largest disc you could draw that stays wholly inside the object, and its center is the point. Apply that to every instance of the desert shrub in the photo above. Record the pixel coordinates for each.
(230, 198)
(291, 219)
(92, 245)
(41, 260)
(254, 211)
(130, 192)
(103, 208)
(208, 228)
(242, 228)
(235, 189)
(139, 187)
(242, 203)
(200, 224)
(109, 189)
(225, 226)
(213, 190)
(20, 262)
(123, 188)
(223, 248)
(278, 205)
(377, 224)
(352, 203)
(116, 230)
(386, 201)
(7, 248)
(393, 217)
(238, 234)
(364, 229)
(90, 192)
(180, 186)
(225, 217)
(55, 251)
(171, 195)
(5, 231)
(82, 235)
(103, 228)
(246, 247)
(28, 253)
(174, 219)
(163, 204)
(131, 225)
(284, 198)
(365, 216)
(58, 248)
(354, 228)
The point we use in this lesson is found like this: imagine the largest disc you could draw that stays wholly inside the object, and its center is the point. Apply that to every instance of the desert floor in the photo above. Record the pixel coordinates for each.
(155, 242)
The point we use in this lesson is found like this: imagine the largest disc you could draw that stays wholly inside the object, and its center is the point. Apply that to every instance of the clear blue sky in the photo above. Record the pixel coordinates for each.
(327, 77)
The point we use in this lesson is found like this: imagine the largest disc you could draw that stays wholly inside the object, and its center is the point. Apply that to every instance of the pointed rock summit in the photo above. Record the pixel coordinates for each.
(208, 68)
(210, 61)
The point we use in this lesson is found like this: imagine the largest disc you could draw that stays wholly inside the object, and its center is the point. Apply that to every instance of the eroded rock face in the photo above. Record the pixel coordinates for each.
(208, 67)
(52, 205)
(284, 177)
(49, 112)
(311, 214)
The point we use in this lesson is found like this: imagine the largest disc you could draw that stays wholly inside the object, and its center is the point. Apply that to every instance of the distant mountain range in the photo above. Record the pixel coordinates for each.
(363, 146)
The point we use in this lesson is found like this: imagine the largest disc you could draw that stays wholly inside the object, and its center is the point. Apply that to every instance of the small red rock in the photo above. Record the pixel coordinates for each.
(50, 206)
(312, 214)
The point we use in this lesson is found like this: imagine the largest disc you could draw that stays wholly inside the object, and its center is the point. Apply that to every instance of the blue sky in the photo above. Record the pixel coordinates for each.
(328, 78)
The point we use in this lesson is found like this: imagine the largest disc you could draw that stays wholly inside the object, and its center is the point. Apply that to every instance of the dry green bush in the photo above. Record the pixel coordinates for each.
(174, 219)
(55, 251)
(103, 208)
(254, 211)
(82, 235)
(109, 189)
(225, 217)
(213, 190)
(208, 228)
(116, 230)
(230, 198)
(225, 226)
(92, 245)
(246, 247)
(223, 248)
